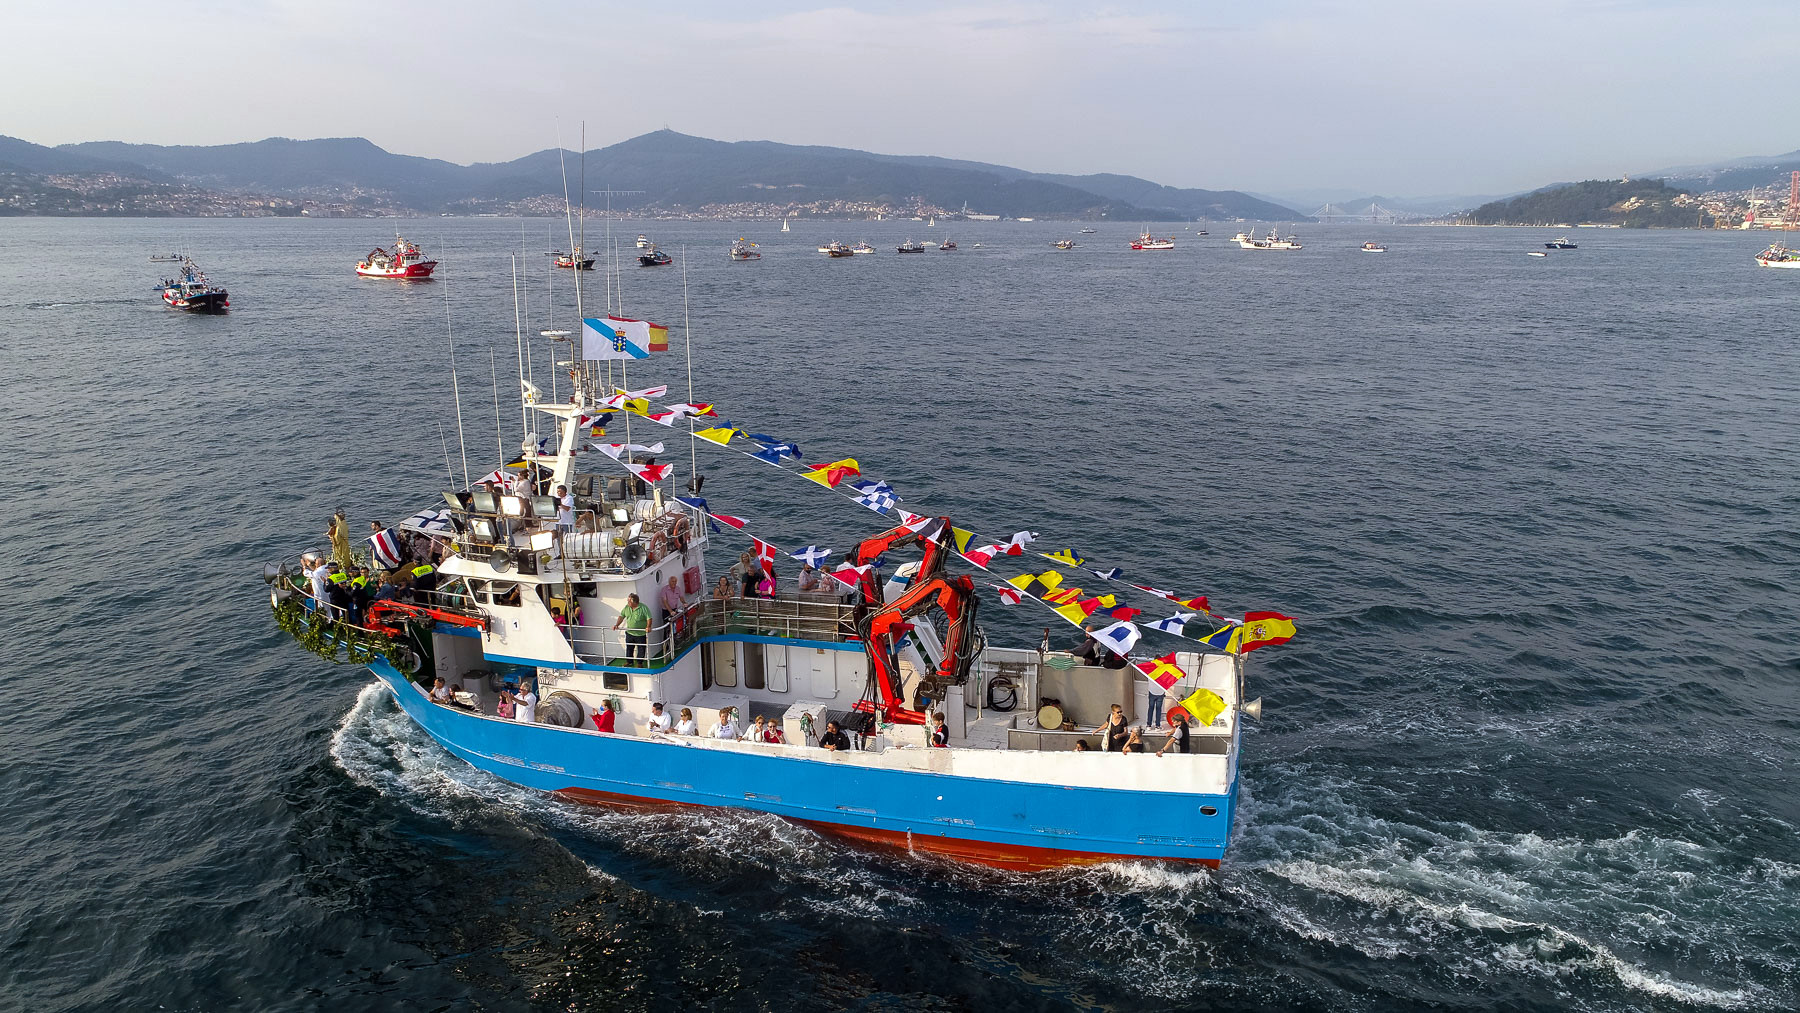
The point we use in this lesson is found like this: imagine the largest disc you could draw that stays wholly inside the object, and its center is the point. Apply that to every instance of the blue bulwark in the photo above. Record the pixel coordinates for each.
(920, 808)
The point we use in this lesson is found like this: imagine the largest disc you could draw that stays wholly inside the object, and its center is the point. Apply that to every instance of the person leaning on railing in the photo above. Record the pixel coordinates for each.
(636, 620)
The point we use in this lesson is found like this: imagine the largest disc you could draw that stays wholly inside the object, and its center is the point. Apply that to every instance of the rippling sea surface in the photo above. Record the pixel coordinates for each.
(1534, 748)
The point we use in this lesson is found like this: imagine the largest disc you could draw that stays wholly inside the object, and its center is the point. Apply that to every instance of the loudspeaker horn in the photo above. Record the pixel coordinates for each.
(1253, 708)
(634, 555)
(501, 560)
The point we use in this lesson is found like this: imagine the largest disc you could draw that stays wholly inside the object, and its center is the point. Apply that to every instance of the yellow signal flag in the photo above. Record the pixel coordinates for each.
(718, 434)
(1204, 705)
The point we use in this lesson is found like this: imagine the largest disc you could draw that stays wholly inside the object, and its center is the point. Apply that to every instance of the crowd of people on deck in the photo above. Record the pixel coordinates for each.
(755, 577)
(1117, 735)
(347, 586)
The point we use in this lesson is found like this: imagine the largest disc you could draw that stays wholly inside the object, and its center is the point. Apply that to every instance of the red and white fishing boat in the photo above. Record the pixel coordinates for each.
(1149, 242)
(404, 261)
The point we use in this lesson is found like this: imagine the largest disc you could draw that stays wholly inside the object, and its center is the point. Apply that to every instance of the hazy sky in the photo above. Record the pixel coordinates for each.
(1403, 98)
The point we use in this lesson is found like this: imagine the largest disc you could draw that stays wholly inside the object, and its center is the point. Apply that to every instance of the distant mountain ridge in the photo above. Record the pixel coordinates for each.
(675, 171)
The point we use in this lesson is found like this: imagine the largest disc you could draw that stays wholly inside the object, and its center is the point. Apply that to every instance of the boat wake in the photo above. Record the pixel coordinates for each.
(1650, 913)
(1636, 915)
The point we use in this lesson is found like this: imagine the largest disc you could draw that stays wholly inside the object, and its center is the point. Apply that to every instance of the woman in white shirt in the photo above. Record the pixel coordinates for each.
(726, 728)
(687, 725)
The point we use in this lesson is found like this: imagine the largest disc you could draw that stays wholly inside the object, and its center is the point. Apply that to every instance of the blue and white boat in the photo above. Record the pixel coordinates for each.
(526, 602)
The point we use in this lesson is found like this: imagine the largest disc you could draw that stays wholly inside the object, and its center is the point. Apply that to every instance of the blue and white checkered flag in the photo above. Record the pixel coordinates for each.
(877, 496)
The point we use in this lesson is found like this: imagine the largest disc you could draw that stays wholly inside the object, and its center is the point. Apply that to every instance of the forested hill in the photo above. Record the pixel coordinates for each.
(1634, 204)
(672, 173)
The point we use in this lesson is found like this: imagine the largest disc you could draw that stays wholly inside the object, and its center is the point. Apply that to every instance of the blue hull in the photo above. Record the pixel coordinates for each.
(1010, 824)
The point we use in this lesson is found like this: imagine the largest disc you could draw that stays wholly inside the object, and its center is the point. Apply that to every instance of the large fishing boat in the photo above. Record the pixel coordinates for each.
(1146, 241)
(1778, 255)
(403, 261)
(190, 291)
(546, 623)
(743, 249)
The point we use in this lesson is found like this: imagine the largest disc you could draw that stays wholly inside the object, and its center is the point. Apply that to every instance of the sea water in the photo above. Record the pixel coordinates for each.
(1533, 747)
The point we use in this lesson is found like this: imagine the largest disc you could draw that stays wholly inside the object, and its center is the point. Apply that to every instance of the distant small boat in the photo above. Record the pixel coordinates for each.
(837, 249)
(1026, 219)
(653, 257)
(1778, 255)
(784, 227)
(933, 223)
(1149, 242)
(1088, 232)
(1537, 253)
(643, 242)
(404, 262)
(947, 245)
(573, 261)
(911, 247)
(192, 292)
(862, 247)
(165, 258)
(1559, 244)
(743, 250)
(1273, 241)
(1064, 244)
(1373, 248)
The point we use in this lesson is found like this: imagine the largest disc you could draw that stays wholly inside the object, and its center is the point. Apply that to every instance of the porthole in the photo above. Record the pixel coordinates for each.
(1207, 810)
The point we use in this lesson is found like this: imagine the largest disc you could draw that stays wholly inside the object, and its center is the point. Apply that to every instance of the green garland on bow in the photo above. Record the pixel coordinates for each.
(332, 639)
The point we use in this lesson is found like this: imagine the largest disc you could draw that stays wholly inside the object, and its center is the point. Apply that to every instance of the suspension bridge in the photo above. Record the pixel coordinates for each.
(1373, 212)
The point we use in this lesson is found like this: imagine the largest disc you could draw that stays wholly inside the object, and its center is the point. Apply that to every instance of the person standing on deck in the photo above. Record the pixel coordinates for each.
(1178, 736)
(673, 605)
(337, 529)
(636, 620)
(565, 509)
(525, 705)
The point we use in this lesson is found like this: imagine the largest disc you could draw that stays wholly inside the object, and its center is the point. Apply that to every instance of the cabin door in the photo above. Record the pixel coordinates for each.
(720, 665)
(775, 667)
(824, 675)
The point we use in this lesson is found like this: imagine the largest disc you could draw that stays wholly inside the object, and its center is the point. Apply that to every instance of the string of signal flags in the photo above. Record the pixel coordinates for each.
(1049, 587)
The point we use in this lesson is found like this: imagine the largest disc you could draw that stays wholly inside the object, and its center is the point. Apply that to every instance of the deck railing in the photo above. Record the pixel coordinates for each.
(788, 617)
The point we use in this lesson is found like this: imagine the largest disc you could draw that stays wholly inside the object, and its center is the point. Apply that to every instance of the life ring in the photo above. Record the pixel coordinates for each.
(1179, 709)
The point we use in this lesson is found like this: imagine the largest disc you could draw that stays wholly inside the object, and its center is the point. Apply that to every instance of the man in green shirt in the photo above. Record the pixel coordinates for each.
(636, 620)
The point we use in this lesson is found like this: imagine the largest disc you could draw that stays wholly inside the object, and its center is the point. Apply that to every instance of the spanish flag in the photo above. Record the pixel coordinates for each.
(1261, 629)
(659, 338)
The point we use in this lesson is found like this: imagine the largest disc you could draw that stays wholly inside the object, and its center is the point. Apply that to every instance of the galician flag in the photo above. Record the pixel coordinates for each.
(608, 338)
